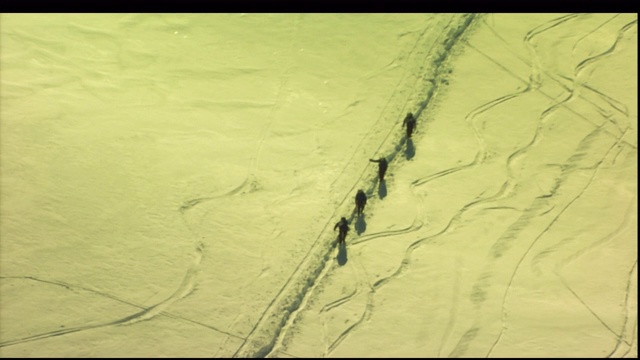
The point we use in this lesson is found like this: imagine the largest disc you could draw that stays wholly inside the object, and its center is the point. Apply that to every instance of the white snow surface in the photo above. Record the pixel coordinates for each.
(170, 185)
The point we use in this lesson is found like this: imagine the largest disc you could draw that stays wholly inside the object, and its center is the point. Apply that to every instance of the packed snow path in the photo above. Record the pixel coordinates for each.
(429, 53)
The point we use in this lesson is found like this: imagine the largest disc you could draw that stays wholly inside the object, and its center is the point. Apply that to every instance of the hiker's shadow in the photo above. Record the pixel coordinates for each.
(361, 225)
(382, 189)
(342, 254)
(410, 150)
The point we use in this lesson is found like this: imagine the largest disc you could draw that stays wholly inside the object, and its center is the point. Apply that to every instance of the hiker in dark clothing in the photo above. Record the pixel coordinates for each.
(343, 225)
(361, 201)
(410, 123)
(382, 167)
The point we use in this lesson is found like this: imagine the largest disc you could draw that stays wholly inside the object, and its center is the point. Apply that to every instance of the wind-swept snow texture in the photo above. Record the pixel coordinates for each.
(170, 184)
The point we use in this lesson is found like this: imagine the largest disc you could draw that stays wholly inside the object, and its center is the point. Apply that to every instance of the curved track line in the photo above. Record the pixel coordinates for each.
(417, 224)
(146, 313)
(586, 62)
(535, 78)
(575, 45)
(339, 301)
(185, 288)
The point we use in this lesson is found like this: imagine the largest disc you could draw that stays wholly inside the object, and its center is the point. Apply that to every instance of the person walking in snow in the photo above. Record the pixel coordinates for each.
(361, 201)
(410, 123)
(343, 225)
(382, 167)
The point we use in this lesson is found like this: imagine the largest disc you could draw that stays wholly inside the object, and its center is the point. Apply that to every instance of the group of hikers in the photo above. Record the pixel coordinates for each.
(361, 198)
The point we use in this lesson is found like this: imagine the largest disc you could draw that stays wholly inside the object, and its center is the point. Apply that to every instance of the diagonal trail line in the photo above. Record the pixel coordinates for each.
(145, 314)
(273, 322)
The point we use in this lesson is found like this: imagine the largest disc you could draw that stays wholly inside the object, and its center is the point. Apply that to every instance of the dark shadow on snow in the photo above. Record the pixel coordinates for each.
(382, 189)
(361, 225)
(342, 254)
(410, 150)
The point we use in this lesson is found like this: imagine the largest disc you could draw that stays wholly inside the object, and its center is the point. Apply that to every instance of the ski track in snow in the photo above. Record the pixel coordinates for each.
(608, 100)
(146, 313)
(534, 210)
